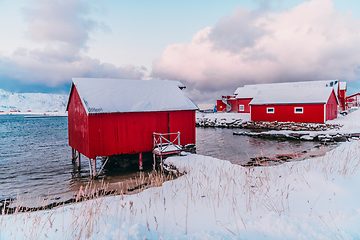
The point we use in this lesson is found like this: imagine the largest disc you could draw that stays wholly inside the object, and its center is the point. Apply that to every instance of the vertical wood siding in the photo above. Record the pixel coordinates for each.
(124, 133)
(78, 127)
(341, 97)
(245, 102)
(331, 107)
(220, 106)
(312, 113)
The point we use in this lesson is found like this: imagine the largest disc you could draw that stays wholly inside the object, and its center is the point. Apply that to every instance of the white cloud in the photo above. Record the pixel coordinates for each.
(308, 42)
(62, 28)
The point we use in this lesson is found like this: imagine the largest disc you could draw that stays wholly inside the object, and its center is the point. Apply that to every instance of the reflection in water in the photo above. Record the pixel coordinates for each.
(238, 149)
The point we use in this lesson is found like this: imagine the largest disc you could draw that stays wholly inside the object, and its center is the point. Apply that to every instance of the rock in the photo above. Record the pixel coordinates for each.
(340, 139)
(307, 138)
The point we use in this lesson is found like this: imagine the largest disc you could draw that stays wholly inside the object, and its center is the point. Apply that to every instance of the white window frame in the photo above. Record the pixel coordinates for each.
(298, 108)
(241, 108)
(270, 110)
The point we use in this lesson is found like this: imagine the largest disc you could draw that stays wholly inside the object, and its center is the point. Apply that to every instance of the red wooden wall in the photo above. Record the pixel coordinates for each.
(331, 107)
(123, 133)
(312, 113)
(234, 105)
(245, 102)
(78, 124)
(341, 97)
(220, 106)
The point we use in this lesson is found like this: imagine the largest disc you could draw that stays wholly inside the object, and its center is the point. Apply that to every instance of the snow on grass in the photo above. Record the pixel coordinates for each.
(312, 199)
(219, 116)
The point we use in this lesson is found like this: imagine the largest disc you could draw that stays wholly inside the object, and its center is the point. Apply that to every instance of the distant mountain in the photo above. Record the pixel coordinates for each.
(35, 102)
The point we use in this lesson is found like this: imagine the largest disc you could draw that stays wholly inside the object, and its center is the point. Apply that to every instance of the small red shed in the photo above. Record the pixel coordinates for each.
(118, 116)
(310, 105)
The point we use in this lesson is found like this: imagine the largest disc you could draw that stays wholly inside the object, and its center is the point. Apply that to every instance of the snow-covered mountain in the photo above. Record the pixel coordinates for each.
(35, 102)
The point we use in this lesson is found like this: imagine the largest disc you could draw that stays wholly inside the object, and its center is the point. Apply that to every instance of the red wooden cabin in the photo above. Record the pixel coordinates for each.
(240, 101)
(115, 116)
(353, 101)
(310, 105)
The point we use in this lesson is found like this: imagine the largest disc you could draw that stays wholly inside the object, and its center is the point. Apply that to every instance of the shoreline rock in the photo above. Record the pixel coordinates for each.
(240, 123)
(304, 136)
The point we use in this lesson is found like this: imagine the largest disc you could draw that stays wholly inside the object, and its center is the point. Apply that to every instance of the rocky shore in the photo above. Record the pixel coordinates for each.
(241, 123)
(305, 136)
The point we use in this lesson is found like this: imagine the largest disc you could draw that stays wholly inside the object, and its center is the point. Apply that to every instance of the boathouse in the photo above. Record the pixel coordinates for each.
(119, 116)
(240, 100)
(308, 105)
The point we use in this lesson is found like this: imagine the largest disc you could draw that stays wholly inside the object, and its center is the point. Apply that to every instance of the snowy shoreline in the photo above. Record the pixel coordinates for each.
(311, 199)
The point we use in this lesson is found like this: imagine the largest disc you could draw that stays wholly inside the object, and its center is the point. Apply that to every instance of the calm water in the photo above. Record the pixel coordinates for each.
(221, 143)
(35, 159)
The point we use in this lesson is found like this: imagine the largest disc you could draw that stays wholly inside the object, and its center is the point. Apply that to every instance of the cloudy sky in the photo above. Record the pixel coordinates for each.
(211, 46)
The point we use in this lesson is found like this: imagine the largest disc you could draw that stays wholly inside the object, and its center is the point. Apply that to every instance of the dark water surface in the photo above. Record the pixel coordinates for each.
(35, 158)
(238, 149)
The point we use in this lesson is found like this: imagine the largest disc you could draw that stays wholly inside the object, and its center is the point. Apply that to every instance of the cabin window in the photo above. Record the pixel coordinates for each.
(298, 110)
(241, 108)
(270, 110)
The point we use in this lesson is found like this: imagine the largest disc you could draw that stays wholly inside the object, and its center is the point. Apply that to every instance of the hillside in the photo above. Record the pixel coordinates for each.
(35, 102)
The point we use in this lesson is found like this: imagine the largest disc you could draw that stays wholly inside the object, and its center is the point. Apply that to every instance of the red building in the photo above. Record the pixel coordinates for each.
(227, 104)
(342, 96)
(353, 101)
(310, 105)
(239, 101)
(112, 116)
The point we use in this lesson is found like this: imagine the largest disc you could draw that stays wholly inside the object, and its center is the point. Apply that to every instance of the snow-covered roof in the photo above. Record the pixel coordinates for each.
(295, 95)
(103, 95)
(250, 91)
(342, 85)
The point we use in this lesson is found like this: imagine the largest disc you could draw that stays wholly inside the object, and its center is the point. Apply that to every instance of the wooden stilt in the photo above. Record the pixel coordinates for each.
(161, 162)
(154, 165)
(94, 172)
(103, 165)
(79, 161)
(73, 157)
(140, 162)
(90, 168)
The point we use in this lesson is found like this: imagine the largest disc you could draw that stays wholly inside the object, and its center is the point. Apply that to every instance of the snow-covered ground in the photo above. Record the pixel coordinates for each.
(35, 102)
(312, 199)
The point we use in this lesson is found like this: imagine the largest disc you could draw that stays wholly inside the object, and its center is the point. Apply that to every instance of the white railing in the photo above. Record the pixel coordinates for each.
(162, 142)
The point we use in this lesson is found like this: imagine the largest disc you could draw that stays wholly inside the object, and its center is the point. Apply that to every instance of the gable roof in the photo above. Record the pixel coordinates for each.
(355, 94)
(103, 95)
(293, 96)
(342, 85)
(250, 91)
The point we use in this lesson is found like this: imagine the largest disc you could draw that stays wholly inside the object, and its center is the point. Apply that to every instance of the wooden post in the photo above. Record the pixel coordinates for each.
(91, 175)
(94, 172)
(73, 157)
(154, 156)
(79, 160)
(161, 162)
(140, 162)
